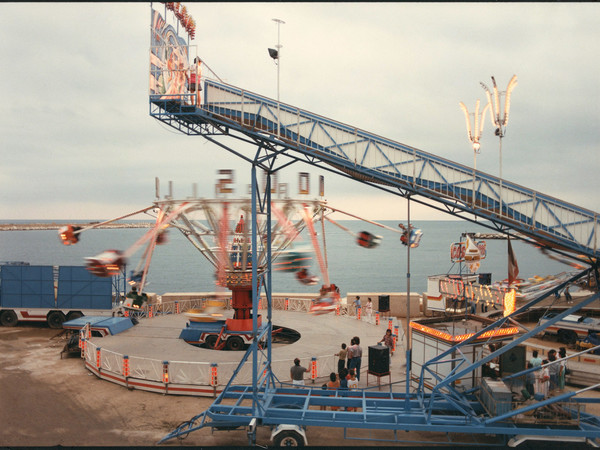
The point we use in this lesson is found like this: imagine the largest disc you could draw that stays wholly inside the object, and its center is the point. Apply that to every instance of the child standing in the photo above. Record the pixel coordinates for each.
(334, 384)
(352, 385)
(342, 358)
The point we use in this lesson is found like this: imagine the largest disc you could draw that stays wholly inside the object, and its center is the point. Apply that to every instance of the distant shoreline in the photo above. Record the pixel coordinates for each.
(56, 226)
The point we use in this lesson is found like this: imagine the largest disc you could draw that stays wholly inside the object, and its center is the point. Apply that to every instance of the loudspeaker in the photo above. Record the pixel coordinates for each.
(485, 278)
(384, 303)
(514, 360)
(379, 360)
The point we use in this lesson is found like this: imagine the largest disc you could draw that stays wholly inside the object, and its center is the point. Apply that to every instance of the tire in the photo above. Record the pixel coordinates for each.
(570, 337)
(55, 319)
(288, 438)
(74, 315)
(567, 337)
(235, 343)
(8, 318)
(210, 341)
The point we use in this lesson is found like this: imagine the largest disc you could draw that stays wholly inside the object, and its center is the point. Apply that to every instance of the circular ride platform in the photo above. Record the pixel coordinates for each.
(151, 356)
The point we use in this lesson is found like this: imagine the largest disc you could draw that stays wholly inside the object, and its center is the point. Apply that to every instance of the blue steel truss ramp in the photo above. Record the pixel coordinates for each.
(280, 129)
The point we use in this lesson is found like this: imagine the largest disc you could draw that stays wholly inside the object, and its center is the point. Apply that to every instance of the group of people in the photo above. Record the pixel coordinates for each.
(348, 375)
(550, 377)
(368, 309)
(345, 380)
(350, 358)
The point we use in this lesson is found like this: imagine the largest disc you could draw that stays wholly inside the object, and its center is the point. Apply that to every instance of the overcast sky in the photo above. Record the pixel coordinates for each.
(77, 140)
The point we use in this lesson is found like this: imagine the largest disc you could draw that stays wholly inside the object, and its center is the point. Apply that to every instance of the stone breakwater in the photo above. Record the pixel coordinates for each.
(56, 226)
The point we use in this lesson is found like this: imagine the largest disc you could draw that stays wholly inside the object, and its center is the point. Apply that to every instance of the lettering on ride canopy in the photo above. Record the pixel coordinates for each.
(224, 182)
(303, 183)
(478, 293)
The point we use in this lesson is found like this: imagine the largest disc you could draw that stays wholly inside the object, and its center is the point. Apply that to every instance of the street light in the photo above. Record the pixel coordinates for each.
(499, 119)
(276, 55)
(475, 135)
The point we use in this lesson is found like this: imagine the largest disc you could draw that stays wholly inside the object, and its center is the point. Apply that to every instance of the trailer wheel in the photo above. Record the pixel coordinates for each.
(211, 340)
(567, 336)
(235, 343)
(8, 318)
(74, 315)
(55, 319)
(288, 438)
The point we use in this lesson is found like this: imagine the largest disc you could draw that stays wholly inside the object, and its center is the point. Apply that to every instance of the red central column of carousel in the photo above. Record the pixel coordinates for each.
(241, 302)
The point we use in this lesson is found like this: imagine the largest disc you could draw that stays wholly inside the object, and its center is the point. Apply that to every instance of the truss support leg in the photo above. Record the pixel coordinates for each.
(252, 432)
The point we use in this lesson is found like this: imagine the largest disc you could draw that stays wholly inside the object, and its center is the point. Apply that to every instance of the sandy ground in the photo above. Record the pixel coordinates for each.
(49, 401)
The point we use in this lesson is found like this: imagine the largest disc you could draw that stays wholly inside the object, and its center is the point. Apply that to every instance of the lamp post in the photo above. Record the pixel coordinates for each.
(499, 119)
(276, 55)
(474, 134)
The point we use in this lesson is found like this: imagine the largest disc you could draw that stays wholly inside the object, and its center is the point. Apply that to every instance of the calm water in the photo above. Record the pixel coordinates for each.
(179, 267)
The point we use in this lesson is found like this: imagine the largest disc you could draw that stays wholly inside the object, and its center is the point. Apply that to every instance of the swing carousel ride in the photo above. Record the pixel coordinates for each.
(207, 225)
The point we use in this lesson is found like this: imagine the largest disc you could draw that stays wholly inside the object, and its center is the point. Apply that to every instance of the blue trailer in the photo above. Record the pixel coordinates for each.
(54, 294)
(100, 326)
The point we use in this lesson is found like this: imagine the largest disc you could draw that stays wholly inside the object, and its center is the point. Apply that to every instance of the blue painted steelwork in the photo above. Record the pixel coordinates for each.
(447, 382)
(388, 165)
(444, 410)
(282, 130)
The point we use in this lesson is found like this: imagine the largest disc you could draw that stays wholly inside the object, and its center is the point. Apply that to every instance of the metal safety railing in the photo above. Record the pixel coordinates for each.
(372, 158)
(130, 368)
(284, 303)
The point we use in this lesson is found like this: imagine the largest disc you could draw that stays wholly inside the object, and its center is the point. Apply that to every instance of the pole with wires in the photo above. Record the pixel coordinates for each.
(407, 330)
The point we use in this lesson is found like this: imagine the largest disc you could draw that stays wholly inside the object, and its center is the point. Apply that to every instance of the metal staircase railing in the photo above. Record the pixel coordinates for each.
(372, 158)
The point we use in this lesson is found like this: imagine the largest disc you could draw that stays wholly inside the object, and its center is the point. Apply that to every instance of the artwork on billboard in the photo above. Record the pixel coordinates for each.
(168, 60)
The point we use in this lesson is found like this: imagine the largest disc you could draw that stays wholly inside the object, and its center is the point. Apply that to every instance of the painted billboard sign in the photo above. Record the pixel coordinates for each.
(458, 251)
(168, 60)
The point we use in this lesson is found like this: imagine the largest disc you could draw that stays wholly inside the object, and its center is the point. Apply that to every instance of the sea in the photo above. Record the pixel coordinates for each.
(178, 266)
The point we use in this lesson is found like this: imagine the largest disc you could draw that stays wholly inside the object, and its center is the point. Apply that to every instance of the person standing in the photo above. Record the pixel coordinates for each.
(342, 358)
(356, 356)
(568, 296)
(334, 384)
(535, 361)
(530, 380)
(353, 381)
(352, 385)
(343, 375)
(369, 309)
(195, 87)
(357, 305)
(553, 370)
(542, 385)
(350, 354)
(388, 340)
(297, 373)
(562, 369)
